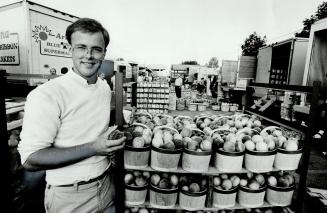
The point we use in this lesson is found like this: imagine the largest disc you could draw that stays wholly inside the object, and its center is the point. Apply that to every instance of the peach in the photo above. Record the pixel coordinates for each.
(272, 181)
(235, 180)
(169, 145)
(194, 187)
(128, 178)
(290, 179)
(239, 146)
(224, 176)
(174, 180)
(260, 179)
(155, 179)
(138, 142)
(140, 181)
(254, 185)
(291, 146)
(216, 181)
(229, 146)
(243, 182)
(257, 138)
(227, 184)
(206, 145)
(249, 145)
(261, 147)
(185, 188)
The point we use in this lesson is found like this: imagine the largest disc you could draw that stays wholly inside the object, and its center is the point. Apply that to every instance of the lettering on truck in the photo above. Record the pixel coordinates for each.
(51, 43)
(9, 48)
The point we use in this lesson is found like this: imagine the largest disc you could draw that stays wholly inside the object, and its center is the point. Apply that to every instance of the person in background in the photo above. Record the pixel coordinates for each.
(140, 77)
(66, 128)
(178, 86)
(214, 88)
(52, 71)
(201, 86)
(150, 77)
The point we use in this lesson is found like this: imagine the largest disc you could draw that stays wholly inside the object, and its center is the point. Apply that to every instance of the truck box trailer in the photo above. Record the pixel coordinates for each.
(32, 40)
(316, 63)
(282, 62)
(229, 71)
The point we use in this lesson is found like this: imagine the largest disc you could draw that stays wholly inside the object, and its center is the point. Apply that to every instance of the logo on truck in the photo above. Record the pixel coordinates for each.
(50, 42)
(9, 48)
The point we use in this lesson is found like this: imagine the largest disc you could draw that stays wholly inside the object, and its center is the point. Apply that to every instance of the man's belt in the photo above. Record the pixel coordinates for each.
(86, 182)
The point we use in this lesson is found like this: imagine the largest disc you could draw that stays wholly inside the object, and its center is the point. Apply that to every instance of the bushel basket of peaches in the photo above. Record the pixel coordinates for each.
(136, 187)
(196, 150)
(229, 152)
(193, 192)
(225, 188)
(289, 149)
(163, 190)
(137, 148)
(260, 152)
(281, 186)
(252, 190)
(166, 148)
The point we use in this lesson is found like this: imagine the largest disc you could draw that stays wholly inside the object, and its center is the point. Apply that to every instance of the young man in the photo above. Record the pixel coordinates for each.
(65, 129)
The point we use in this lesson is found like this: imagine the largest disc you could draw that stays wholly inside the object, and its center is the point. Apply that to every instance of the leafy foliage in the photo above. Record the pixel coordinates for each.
(320, 14)
(190, 62)
(213, 63)
(252, 44)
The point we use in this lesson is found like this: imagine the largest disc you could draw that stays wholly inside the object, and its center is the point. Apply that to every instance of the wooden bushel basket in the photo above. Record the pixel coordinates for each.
(135, 195)
(280, 196)
(251, 198)
(194, 161)
(192, 201)
(287, 160)
(224, 198)
(136, 158)
(259, 161)
(164, 159)
(228, 161)
(163, 198)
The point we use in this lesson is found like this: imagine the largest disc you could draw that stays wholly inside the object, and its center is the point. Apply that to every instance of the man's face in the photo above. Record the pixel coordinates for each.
(88, 51)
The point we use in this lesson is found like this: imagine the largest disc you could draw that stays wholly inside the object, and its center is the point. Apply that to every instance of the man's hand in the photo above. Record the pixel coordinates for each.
(104, 146)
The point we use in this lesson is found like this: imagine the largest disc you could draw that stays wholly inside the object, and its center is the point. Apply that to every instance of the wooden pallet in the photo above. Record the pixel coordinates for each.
(12, 111)
(263, 103)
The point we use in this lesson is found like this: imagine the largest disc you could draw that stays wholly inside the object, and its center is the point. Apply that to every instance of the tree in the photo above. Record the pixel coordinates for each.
(320, 14)
(252, 44)
(190, 62)
(213, 63)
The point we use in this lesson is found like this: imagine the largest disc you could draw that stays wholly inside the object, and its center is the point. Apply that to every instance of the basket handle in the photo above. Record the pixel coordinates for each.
(224, 116)
(143, 113)
(182, 116)
(218, 129)
(243, 130)
(165, 127)
(163, 115)
(270, 127)
(197, 130)
(205, 116)
(142, 125)
(239, 116)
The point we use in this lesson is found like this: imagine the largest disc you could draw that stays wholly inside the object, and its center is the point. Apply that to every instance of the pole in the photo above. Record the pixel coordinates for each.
(119, 120)
(6, 202)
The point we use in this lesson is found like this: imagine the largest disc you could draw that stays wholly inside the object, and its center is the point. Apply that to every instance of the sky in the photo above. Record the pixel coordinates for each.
(171, 31)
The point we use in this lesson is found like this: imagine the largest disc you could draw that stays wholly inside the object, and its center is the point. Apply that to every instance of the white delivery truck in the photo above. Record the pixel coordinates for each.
(32, 40)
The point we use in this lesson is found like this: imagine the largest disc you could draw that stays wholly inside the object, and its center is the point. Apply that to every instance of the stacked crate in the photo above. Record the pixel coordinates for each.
(151, 97)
